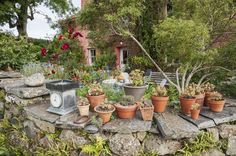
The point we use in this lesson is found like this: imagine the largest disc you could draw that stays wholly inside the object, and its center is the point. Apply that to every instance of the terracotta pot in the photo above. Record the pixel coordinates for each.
(105, 115)
(95, 100)
(83, 110)
(159, 103)
(216, 106)
(186, 104)
(195, 113)
(126, 112)
(200, 99)
(208, 95)
(147, 113)
(136, 91)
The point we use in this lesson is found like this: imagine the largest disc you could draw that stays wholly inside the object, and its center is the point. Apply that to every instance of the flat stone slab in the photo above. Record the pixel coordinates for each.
(127, 125)
(39, 111)
(172, 126)
(23, 102)
(9, 74)
(230, 102)
(201, 123)
(10, 83)
(25, 92)
(226, 115)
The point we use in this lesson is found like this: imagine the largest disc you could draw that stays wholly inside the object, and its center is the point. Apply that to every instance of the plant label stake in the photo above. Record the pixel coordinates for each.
(163, 83)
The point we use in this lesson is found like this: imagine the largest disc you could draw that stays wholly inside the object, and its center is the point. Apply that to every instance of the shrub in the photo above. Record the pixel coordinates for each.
(140, 62)
(105, 59)
(16, 52)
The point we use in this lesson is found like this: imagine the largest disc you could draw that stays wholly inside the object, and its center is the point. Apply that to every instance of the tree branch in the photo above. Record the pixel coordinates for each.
(31, 16)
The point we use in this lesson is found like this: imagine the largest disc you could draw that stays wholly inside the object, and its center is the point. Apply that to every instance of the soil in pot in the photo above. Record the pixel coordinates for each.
(195, 114)
(216, 106)
(200, 99)
(83, 110)
(105, 113)
(147, 113)
(95, 100)
(159, 103)
(126, 112)
(186, 104)
(136, 91)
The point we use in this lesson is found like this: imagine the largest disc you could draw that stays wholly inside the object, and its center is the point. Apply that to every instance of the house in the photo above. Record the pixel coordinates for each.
(122, 49)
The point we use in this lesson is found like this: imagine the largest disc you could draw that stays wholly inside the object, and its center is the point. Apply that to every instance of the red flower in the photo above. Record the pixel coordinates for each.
(60, 37)
(65, 46)
(76, 34)
(43, 52)
(70, 30)
(53, 72)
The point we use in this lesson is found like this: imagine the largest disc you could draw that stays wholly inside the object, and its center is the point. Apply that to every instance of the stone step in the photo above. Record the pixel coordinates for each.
(9, 74)
(172, 126)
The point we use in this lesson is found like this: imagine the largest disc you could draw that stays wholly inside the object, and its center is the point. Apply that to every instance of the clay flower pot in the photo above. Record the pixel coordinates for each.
(83, 110)
(186, 104)
(200, 99)
(207, 98)
(147, 113)
(195, 113)
(136, 91)
(159, 103)
(126, 112)
(104, 115)
(216, 106)
(95, 100)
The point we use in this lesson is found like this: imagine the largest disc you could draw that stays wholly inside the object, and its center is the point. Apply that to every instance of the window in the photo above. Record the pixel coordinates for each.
(92, 54)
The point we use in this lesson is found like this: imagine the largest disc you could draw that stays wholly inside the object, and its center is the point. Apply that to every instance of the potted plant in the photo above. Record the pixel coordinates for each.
(117, 74)
(105, 111)
(96, 95)
(186, 100)
(126, 108)
(146, 109)
(199, 92)
(209, 89)
(83, 106)
(33, 74)
(195, 110)
(137, 86)
(159, 99)
(216, 102)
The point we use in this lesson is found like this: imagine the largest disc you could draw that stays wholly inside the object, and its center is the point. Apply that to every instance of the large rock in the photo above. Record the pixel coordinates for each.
(231, 149)
(9, 74)
(215, 133)
(124, 145)
(155, 144)
(227, 130)
(10, 83)
(30, 129)
(46, 142)
(35, 80)
(172, 126)
(22, 102)
(212, 152)
(127, 125)
(70, 136)
(140, 135)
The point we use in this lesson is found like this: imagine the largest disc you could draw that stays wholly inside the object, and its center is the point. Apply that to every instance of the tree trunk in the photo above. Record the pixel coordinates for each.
(22, 20)
(163, 9)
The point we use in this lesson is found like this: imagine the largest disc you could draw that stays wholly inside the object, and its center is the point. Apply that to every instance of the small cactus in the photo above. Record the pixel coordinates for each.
(195, 106)
(95, 90)
(127, 100)
(208, 87)
(83, 101)
(136, 77)
(159, 91)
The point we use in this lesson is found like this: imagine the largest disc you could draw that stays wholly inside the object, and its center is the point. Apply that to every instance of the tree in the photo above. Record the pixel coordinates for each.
(17, 12)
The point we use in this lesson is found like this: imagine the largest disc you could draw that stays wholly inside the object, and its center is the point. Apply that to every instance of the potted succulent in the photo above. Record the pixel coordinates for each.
(199, 93)
(96, 95)
(137, 86)
(195, 110)
(117, 74)
(83, 106)
(216, 102)
(146, 109)
(33, 74)
(105, 111)
(209, 89)
(186, 100)
(126, 108)
(159, 99)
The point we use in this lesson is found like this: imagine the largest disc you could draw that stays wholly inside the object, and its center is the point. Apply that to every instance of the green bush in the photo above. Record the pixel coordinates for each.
(140, 62)
(105, 59)
(16, 52)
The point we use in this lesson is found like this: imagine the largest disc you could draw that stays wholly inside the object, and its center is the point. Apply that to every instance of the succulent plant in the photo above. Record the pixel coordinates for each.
(127, 100)
(208, 87)
(194, 89)
(136, 77)
(159, 91)
(217, 96)
(189, 92)
(145, 103)
(195, 106)
(115, 73)
(105, 106)
(83, 101)
(95, 89)
(31, 68)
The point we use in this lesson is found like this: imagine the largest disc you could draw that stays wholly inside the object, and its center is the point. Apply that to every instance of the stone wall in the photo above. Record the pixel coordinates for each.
(26, 107)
